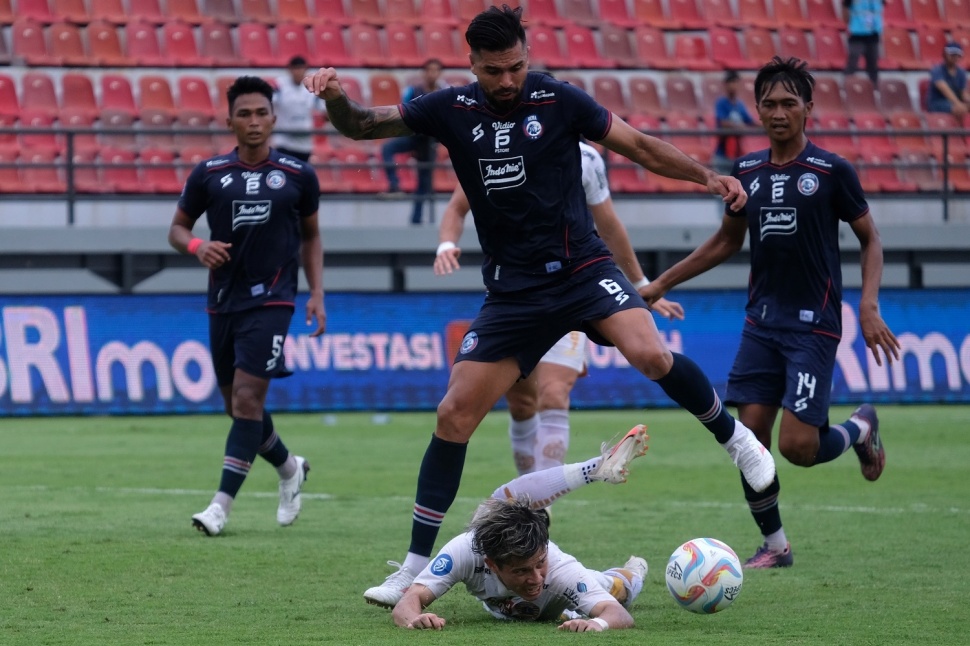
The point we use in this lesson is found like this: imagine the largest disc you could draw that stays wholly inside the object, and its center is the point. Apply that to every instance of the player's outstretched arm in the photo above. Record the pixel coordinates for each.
(409, 611)
(352, 119)
(449, 232)
(610, 612)
(874, 330)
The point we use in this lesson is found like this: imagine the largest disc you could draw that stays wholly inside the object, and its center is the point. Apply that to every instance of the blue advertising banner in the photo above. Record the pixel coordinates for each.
(62, 355)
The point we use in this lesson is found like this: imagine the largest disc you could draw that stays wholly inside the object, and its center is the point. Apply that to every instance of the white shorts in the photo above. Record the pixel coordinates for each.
(569, 351)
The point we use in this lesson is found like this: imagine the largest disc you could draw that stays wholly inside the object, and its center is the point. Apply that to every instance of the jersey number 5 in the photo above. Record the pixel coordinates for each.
(277, 351)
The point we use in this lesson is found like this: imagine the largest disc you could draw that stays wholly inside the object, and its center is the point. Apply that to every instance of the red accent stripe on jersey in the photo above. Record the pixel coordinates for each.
(825, 301)
(824, 333)
(566, 240)
(278, 303)
(591, 262)
(745, 171)
(750, 321)
(276, 277)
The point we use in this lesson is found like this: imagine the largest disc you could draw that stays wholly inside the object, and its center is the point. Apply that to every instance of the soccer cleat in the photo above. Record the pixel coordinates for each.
(872, 455)
(765, 559)
(390, 592)
(755, 461)
(211, 521)
(290, 501)
(637, 565)
(631, 576)
(613, 468)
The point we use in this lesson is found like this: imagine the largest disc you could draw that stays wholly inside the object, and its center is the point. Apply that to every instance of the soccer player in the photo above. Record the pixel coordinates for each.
(506, 560)
(798, 194)
(513, 140)
(539, 405)
(261, 208)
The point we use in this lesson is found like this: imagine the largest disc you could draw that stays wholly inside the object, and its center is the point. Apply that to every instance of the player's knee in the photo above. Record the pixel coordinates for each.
(522, 406)
(798, 450)
(554, 396)
(247, 402)
(653, 360)
(455, 422)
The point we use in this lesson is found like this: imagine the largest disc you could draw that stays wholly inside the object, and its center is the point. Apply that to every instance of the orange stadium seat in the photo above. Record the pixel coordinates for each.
(608, 92)
(402, 11)
(149, 11)
(38, 95)
(180, 46)
(894, 96)
(297, 11)
(30, 44)
(105, 45)
(217, 46)
(438, 12)
(67, 44)
(581, 12)
(257, 11)
(37, 10)
(860, 95)
(329, 46)
(143, 45)
(194, 95)
(873, 134)
(759, 46)
(158, 170)
(693, 52)
(256, 46)
(822, 13)
(368, 11)
(830, 48)
(120, 171)
(726, 51)
(80, 120)
(77, 93)
(755, 13)
(652, 50)
(828, 97)
(116, 94)
(155, 94)
(384, 89)
(681, 95)
(291, 40)
(915, 139)
(186, 11)
(927, 13)
(789, 13)
(898, 50)
(402, 45)
(220, 11)
(543, 12)
(652, 13)
(40, 172)
(686, 14)
(366, 47)
(74, 11)
(793, 42)
(615, 12)
(645, 97)
(617, 46)
(957, 12)
(581, 48)
(440, 41)
(545, 48)
(895, 13)
(719, 13)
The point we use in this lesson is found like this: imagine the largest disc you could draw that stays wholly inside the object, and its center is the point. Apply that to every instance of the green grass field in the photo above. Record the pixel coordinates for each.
(96, 545)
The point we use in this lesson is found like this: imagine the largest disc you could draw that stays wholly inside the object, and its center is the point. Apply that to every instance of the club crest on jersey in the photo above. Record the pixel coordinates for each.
(532, 127)
(250, 212)
(498, 174)
(778, 220)
(807, 184)
(469, 343)
(442, 565)
(276, 179)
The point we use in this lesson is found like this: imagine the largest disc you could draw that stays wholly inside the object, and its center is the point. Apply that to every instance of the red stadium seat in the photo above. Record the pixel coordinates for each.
(291, 40)
(581, 48)
(759, 46)
(40, 172)
(185, 11)
(581, 12)
(73, 11)
(608, 92)
(9, 101)
(915, 139)
(86, 172)
(955, 140)
(899, 51)
(296, 11)
(143, 45)
(652, 51)
(957, 12)
(926, 13)
(712, 88)
(41, 120)
(755, 13)
(149, 11)
(351, 87)
(438, 12)
(693, 52)
(686, 14)
(122, 126)
(651, 13)
(402, 45)
(218, 48)
(839, 139)
(916, 167)
(77, 94)
(194, 95)
(6, 13)
(30, 44)
(645, 98)
(116, 94)
(120, 171)
(355, 171)
(72, 118)
(931, 42)
(368, 11)
(38, 95)
(402, 12)
(36, 10)
(180, 46)
(67, 45)
(574, 80)
(719, 13)
(894, 96)
(321, 163)
(726, 50)
(158, 170)
(617, 46)
(221, 11)
(443, 178)
(545, 13)
(961, 35)
(257, 11)
(822, 13)
(468, 9)
(545, 50)
(327, 12)
(384, 89)
(6, 57)
(328, 44)
(830, 48)
(878, 173)
(366, 47)
(958, 175)
(440, 42)
(827, 97)
(624, 175)
(872, 133)
(105, 45)
(895, 13)
(10, 180)
(788, 13)
(256, 47)
(615, 12)
(696, 144)
(155, 94)
(860, 96)
(794, 43)
(681, 96)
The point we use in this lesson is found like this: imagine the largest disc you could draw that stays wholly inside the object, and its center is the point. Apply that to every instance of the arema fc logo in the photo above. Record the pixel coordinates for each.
(807, 184)
(532, 127)
(469, 343)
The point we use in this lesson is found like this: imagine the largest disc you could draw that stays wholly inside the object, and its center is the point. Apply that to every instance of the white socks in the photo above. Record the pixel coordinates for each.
(552, 439)
(288, 469)
(777, 542)
(415, 563)
(522, 434)
(224, 500)
(863, 425)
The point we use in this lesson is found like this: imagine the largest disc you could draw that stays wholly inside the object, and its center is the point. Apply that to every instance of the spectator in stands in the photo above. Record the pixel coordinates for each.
(729, 114)
(420, 146)
(864, 20)
(948, 84)
(294, 111)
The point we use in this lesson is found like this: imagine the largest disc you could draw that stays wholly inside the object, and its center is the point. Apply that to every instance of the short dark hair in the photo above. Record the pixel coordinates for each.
(509, 530)
(793, 75)
(496, 30)
(297, 61)
(432, 61)
(248, 85)
(731, 75)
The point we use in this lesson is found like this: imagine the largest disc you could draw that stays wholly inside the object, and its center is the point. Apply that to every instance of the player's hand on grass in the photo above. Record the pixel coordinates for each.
(213, 253)
(427, 621)
(730, 190)
(581, 626)
(670, 310)
(446, 262)
(878, 335)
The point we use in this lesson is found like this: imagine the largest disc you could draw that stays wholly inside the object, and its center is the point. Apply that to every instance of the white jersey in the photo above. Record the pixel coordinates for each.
(594, 175)
(294, 108)
(568, 585)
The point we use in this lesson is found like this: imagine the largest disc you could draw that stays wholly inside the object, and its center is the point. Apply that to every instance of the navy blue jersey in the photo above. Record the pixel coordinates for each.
(258, 209)
(793, 214)
(522, 174)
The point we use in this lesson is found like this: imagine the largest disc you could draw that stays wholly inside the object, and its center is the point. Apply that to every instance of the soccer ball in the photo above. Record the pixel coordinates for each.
(704, 575)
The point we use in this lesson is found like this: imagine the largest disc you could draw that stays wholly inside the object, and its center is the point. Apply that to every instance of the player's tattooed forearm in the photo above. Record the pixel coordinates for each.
(358, 122)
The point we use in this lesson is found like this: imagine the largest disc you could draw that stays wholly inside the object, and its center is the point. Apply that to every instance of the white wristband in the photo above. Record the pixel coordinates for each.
(601, 622)
(643, 282)
(445, 246)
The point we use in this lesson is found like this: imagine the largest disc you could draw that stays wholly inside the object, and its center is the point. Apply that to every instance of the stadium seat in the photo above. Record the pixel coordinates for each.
(697, 144)
(872, 133)
(36, 10)
(726, 50)
(402, 12)
(918, 168)
(830, 49)
(73, 11)
(121, 127)
(860, 96)
(194, 95)
(573, 79)
(158, 171)
(105, 45)
(402, 45)
(927, 14)
(443, 178)
(681, 96)
(693, 52)
(624, 175)
(180, 46)
(957, 12)
(894, 96)
(686, 14)
(652, 13)
(581, 12)
(291, 40)
(617, 46)
(789, 13)
(297, 12)
(322, 164)
(28, 139)
(908, 131)
(116, 95)
(218, 49)
(956, 144)
(143, 45)
(367, 11)
(355, 171)
(30, 44)
(327, 43)
(365, 46)
(759, 46)
(6, 57)
(149, 11)
(827, 97)
(40, 172)
(438, 12)
(120, 171)
(645, 97)
(190, 156)
(838, 138)
(545, 13)
(221, 11)
(75, 119)
(38, 95)
(822, 14)
(931, 41)
(608, 92)
(384, 89)
(260, 11)
(256, 47)
(77, 94)
(351, 87)
(440, 42)
(85, 173)
(958, 175)
(898, 51)
(615, 12)
(754, 13)
(155, 94)
(545, 50)
(10, 180)
(793, 42)
(6, 12)
(185, 11)
(719, 13)
(581, 49)
(961, 35)
(465, 10)
(156, 130)
(9, 101)
(67, 44)
(895, 13)
(878, 173)
(712, 88)
(652, 51)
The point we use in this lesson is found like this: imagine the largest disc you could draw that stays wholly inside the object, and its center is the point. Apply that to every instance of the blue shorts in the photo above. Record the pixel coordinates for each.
(792, 370)
(251, 340)
(525, 324)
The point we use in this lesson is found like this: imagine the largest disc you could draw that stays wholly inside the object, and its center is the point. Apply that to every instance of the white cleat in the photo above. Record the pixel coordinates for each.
(613, 468)
(290, 501)
(637, 565)
(755, 461)
(211, 521)
(390, 592)
(632, 574)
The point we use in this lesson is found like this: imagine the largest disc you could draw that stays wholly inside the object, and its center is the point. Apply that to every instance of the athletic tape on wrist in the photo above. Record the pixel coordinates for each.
(643, 282)
(445, 246)
(601, 622)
